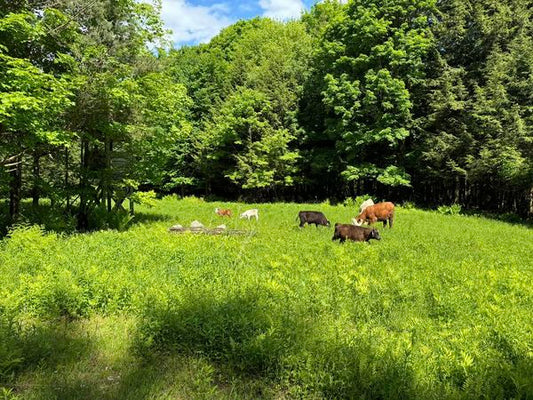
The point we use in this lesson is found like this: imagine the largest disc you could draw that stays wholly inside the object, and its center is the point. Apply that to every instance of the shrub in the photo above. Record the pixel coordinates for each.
(408, 205)
(454, 209)
(145, 198)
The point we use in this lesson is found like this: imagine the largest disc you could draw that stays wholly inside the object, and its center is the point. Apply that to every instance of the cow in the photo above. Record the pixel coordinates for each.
(254, 212)
(355, 233)
(223, 212)
(378, 212)
(312, 217)
(365, 204)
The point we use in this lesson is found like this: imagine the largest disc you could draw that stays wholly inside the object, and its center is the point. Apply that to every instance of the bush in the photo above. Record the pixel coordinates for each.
(408, 205)
(454, 209)
(100, 218)
(145, 198)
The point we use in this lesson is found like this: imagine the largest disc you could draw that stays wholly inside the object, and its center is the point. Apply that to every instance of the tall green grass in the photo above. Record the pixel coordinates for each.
(440, 308)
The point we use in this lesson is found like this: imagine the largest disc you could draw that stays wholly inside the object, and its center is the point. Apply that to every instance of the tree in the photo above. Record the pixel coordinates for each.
(475, 143)
(161, 133)
(373, 60)
(248, 145)
(32, 101)
(111, 58)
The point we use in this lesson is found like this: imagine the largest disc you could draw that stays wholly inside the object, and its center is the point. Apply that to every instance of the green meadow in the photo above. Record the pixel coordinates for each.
(440, 308)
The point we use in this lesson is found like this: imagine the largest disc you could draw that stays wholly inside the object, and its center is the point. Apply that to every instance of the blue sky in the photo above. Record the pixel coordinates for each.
(197, 21)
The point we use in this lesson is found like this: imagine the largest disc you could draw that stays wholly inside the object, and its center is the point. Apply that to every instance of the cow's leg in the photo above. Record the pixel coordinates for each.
(384, 223)
(391, 218)
(302, 223)
(343, 239)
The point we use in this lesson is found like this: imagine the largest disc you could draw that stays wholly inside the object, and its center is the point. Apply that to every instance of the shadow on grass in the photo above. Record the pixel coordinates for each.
(237, 347)
(249, 338)
(147, 218)
(248, 341)
(509, 218)
(238, 331)
(95, 359)
(28, 347)
(52, 219)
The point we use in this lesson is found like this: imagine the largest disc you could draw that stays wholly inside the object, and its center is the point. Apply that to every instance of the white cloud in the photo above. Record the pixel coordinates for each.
(282, 9)
(194, 24)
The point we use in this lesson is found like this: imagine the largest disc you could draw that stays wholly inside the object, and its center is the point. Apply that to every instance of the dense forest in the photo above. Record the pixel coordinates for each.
(421, 100)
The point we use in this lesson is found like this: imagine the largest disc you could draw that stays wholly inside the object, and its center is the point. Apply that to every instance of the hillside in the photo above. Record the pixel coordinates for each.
(439, 308)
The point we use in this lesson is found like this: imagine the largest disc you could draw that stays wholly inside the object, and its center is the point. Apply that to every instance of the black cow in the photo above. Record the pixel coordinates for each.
(355, 233)
(312, 217)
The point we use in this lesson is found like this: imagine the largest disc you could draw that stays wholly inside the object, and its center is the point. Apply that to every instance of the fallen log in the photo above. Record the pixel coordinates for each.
(209, 231)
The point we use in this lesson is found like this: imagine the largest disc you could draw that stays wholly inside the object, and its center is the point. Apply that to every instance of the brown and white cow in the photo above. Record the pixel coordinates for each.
(378, 212)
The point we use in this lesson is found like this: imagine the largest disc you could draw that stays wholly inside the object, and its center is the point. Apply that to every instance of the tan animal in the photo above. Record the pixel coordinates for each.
(223, 212)
(378, 212)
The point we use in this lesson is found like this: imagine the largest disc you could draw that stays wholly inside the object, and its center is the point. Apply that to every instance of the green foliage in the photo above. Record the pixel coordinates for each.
(30, 103)
(8, 394)
(248, 143)
(476, 131)
(355, 203)
(454, 209)
(408, 205)
(425, 99)
(101, 218)
(145, 198)
(246, 114)
(440, 307)
(373, 58)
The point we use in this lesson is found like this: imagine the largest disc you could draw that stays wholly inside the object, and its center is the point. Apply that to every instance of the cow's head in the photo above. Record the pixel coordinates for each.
(374, 234)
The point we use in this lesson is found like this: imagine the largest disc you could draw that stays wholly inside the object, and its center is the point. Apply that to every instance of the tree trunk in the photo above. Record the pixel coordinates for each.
(531, 202)
(83, 217)
(109, 189)
(35, 191)
(14, 190)
(66, 180)
(457, 198)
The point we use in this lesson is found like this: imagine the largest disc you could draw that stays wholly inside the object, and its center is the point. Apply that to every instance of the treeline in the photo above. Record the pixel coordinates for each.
(414, 100)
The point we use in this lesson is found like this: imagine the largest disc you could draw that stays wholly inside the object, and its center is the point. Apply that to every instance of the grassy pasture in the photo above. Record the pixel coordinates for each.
(441, 308)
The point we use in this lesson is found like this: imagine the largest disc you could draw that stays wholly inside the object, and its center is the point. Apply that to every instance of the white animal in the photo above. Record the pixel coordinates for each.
(365, 204)
(254, 212)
